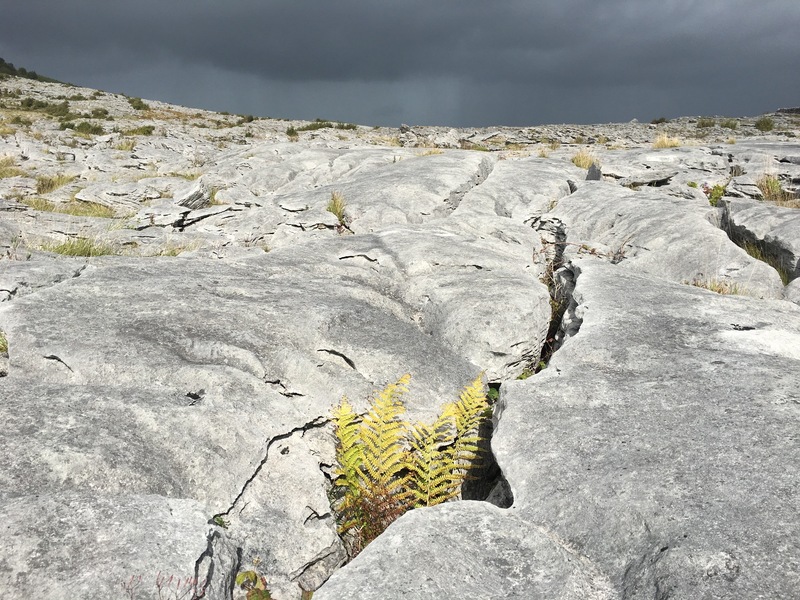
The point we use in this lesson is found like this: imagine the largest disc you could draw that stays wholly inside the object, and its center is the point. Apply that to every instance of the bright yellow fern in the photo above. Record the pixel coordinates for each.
(387, 466)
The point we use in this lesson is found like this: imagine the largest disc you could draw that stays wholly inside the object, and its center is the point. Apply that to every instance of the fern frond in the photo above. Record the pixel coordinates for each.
(468, 412)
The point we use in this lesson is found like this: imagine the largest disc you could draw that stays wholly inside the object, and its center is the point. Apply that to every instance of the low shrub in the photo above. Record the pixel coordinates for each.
(705, 122)
(714, 194)
(730, 124)
(143, 130)
(659, 120)
(764, 124)
(138, 104)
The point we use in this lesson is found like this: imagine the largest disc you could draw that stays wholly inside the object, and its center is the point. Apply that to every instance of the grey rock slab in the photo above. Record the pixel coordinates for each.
(88, 545)
(467, 550)
(775, 228)
(521, 189)
(655, 455)
(661, 439)
(123, 196)
(662, 235)
(194, 195)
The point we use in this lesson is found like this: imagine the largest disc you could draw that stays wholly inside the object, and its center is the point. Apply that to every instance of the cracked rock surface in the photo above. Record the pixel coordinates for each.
(166, 401)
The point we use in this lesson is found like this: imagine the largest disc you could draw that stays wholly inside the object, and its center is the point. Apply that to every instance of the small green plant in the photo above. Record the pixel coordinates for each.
(387, 466)
(337, 206)
(291, 131)
(143, 130)
(764, 124)
(138, 104)
(584, 159)
(254, 584)
(714, 194)
(79, 247)
(770, 187)
(3, 343)
(219, 521)
(46, 184)
(705, 122)
(692, 184)
(730, 124)
(659, 120)
(8, 168)
(665, 141)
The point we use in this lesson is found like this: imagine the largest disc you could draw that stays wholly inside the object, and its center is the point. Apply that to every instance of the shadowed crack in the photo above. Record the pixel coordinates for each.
(349, 362)
(57, 359)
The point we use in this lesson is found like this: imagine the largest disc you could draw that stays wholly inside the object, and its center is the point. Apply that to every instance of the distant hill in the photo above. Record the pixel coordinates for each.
(7, 68)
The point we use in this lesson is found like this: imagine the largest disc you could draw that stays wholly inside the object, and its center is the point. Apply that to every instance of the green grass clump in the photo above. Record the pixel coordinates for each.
(758, 251)
(337, 206)
(730, 124)
(765, 124)
(291, 131)
(8, 168)
(84, 127)
(322, 124)
(705, 122)
(80, 247)
(46, 184)
(143, 130)
(584, 159)
(138, 104)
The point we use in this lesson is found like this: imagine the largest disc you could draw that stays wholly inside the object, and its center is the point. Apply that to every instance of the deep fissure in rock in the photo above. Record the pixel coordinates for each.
(769, 252)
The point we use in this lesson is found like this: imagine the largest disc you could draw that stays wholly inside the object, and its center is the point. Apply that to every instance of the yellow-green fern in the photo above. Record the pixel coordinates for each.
(387, 466)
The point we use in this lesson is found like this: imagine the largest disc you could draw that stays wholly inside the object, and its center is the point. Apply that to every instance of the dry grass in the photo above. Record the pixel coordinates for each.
(584, 159)
(337, 206)
(46, 183)
(3, 343)
(665, 141)
(74, 208)
(432, 152)
(719, 286)
(758, 252)
(8, 168)
(80, 247)
(772, 191)
(126, 145)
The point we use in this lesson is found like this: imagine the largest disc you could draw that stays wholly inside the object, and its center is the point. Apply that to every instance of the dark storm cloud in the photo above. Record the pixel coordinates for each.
(489, 62)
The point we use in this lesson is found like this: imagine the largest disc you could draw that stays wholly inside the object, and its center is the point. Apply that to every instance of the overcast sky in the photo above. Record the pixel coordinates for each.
(424, 62)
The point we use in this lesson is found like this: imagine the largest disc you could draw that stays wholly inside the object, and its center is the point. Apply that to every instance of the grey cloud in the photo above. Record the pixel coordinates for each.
(683, 56)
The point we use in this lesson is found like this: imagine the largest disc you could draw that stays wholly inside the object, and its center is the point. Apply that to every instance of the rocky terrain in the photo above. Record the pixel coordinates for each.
(185, 295)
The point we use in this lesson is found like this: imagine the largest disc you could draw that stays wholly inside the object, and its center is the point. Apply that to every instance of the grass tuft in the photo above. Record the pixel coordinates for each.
(46, 184)
(664, 141)
(705, 122)
(143, 130)
(8, 168)
(719, 286)
(730, 124)
(337, 206)
(126, 145)
(79, 247)
(584, 159)
(75, 208)
(3, 343)
(138, 104)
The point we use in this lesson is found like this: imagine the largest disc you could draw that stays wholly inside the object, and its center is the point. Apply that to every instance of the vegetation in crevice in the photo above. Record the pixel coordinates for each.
(388, 466)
